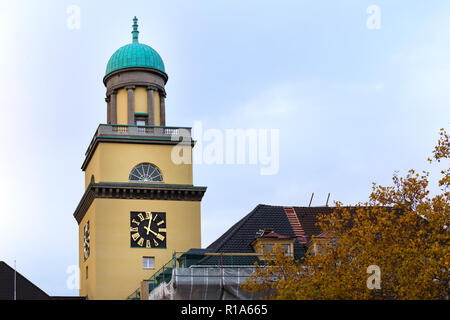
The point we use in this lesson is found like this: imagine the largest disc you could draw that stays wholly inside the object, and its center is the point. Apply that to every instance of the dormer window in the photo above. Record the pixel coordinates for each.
(269, 247)
(266, 240)
(320, 243)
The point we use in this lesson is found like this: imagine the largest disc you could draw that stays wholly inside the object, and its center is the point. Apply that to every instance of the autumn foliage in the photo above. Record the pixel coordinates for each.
(401, 229)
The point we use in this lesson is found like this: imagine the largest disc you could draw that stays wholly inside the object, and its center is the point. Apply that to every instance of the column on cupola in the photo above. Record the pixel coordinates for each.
(130, 91)
(151, 105)
(113, 106)
(108, 110)
(162, 106)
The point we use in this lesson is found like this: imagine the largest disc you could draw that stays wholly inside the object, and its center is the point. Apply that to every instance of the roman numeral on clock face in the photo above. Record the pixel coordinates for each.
(160, 237)
(135, 236)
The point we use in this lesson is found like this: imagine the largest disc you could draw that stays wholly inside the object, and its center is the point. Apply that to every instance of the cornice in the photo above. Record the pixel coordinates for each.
(133, 84)
(110, 190)
(113, 139)
(155, 71)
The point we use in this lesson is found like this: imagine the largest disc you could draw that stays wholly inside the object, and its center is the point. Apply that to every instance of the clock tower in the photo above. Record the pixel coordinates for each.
(139, 204)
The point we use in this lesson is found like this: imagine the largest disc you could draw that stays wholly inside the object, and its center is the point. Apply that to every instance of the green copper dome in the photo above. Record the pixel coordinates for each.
(135, 55)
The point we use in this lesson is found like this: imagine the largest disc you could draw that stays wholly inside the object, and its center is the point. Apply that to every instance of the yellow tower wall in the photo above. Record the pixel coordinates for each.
(118, 267)
(113, 162)
(88, 285)
(92, 170)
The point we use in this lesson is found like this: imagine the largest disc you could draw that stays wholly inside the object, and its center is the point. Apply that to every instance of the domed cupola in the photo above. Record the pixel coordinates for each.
(135, 79)
(135, 55)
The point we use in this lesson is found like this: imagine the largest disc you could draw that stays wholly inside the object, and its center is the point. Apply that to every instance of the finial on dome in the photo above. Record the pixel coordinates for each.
(135, 31)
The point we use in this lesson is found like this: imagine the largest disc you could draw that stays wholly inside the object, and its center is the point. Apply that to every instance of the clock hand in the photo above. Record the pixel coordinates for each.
(148, 228)
(149, 224)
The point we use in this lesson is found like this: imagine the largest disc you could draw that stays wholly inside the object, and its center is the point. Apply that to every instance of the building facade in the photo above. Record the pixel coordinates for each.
(139, 205)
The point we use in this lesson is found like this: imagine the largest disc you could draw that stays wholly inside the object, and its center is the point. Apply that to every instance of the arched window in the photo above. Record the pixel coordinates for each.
(145, 172)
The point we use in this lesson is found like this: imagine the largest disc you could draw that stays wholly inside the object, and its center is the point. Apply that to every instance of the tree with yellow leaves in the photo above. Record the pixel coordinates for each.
(395, 246)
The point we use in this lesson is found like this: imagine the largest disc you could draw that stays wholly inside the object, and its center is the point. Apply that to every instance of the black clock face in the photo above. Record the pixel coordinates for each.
(87, 241)
(148, 229)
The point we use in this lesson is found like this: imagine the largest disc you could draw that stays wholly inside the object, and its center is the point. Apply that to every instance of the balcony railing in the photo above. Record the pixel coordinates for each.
(135, 131)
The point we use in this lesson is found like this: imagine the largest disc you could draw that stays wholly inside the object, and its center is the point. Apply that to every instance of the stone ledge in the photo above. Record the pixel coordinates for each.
(104, 190)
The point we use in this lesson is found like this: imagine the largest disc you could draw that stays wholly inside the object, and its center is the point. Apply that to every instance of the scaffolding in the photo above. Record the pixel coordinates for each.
(217, 276)
(200, 275)
(205, 283)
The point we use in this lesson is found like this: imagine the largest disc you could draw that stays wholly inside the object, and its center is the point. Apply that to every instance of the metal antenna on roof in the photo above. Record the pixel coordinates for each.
(328, 198)
(312, 196)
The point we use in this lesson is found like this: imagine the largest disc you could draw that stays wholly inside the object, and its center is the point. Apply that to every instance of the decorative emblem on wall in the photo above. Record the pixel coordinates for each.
(87, 241)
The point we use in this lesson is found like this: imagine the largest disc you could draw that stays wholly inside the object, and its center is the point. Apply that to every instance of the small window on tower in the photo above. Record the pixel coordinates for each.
(148, 262)
(140, 122)
(145, 172)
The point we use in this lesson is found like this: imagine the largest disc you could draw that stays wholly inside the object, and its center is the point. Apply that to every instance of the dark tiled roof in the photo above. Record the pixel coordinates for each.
(308, 219)
(25, 290)
(229, 260)
(216, 245)
(242, 233)
(275, 235)
(239, 236)
(196, 252)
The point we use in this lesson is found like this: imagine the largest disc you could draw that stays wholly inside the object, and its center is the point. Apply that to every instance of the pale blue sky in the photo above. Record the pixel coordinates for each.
(352, 104)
